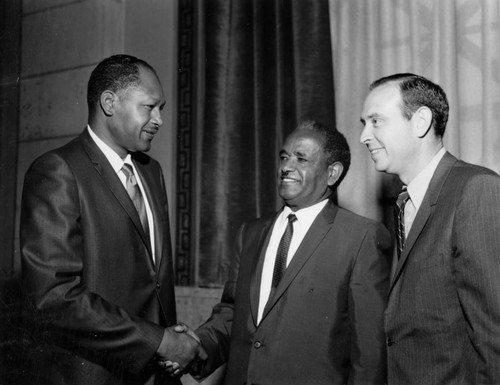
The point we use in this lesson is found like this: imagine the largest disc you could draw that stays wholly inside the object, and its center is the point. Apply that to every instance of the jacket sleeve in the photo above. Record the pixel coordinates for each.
(476, 240)
(67, 313)
(368, 289)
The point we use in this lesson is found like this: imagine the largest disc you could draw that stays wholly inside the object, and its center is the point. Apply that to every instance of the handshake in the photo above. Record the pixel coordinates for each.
(180, 351)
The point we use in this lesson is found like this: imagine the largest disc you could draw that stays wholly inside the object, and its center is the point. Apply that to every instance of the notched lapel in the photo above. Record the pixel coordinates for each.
(148, 181)
(110, 179)
(425, 211)
(317, 232)
(258, 264)
(422, 217)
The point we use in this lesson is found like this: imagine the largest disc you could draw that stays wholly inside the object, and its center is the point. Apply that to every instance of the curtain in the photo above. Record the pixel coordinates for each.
(455, 43)
(266, 65)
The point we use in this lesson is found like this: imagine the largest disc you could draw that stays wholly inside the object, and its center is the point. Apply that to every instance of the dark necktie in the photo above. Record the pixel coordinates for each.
(400, 213)
(281, 255)
(136, 196)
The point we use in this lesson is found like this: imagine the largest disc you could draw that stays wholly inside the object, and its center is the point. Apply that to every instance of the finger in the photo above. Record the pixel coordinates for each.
(174, 373)
(169, 366)
(194, 336)
(173, 366)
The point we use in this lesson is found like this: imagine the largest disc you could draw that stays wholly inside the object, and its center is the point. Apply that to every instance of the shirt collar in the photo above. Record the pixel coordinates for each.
(306, 215)
(418, 186)
(113, 158)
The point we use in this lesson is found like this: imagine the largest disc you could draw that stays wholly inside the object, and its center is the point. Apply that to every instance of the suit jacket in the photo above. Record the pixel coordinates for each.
(443, 314)
(324, 324)
(97, 303)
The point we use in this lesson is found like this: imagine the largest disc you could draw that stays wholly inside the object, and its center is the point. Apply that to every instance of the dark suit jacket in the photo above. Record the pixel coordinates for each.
(443, 315)
(324, 325)
(95, 295)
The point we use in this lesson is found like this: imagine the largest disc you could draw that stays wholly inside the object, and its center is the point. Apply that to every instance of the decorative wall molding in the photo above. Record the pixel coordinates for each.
(184, 270)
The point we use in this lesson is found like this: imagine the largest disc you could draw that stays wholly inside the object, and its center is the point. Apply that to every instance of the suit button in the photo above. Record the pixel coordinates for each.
(257, 344)
(390, 342)
(158, 285)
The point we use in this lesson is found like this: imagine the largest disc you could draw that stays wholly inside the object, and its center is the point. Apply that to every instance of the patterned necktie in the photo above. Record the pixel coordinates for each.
(281, 255)
(136, 196)
(400, 213)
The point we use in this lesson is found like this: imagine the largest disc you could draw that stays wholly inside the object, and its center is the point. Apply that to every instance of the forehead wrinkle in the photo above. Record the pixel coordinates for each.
(311, 154)
(303, 144)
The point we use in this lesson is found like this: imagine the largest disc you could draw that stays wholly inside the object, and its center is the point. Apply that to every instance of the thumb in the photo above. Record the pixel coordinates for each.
(181, 328)
(202, 353)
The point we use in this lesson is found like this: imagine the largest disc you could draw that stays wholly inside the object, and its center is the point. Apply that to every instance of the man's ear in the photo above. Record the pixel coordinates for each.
(422, 119)
(334, 172)
(107, 102)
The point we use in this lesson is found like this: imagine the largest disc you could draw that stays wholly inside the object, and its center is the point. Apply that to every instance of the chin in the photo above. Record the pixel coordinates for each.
(286, 194)
(144, 147)
(380, 167)
(285, 198)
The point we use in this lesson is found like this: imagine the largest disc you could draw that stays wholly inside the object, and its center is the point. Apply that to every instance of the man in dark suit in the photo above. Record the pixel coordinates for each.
(95, 243)
(321, 322)
(443, 316)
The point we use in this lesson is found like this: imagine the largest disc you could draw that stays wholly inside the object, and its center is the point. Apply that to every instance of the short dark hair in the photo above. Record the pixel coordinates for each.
(335, 145)
(417, 91)
(115, 73)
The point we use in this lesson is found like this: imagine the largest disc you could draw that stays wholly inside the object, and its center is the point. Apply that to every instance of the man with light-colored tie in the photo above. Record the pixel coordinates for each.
(443, 315)
(95, 244)
(307, 288)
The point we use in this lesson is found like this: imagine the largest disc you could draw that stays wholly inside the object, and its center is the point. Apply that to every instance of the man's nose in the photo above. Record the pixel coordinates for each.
(156, 117)
(286, 166)
(366, 134)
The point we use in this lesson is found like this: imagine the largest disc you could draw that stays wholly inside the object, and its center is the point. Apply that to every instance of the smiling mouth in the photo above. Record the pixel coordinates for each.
(287, 179)
(375, 150)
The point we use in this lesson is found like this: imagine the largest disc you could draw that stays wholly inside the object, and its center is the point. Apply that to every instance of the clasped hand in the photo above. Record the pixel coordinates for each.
(180, 348)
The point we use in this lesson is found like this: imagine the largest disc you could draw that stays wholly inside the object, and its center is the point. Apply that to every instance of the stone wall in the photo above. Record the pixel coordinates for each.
(62, 41)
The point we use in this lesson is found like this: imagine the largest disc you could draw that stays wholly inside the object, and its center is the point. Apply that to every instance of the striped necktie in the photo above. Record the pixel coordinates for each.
(400, 213)
(282, 254)
(135, 194)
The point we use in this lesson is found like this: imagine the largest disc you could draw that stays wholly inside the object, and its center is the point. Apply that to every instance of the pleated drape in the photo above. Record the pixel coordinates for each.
(267, 64)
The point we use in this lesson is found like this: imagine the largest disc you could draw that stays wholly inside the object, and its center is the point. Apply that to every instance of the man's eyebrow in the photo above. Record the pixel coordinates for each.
(371, 116)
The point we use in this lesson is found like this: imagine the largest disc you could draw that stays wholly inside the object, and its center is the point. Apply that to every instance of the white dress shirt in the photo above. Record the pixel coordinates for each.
(117, 164)
(305, 218)
(417, 189)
